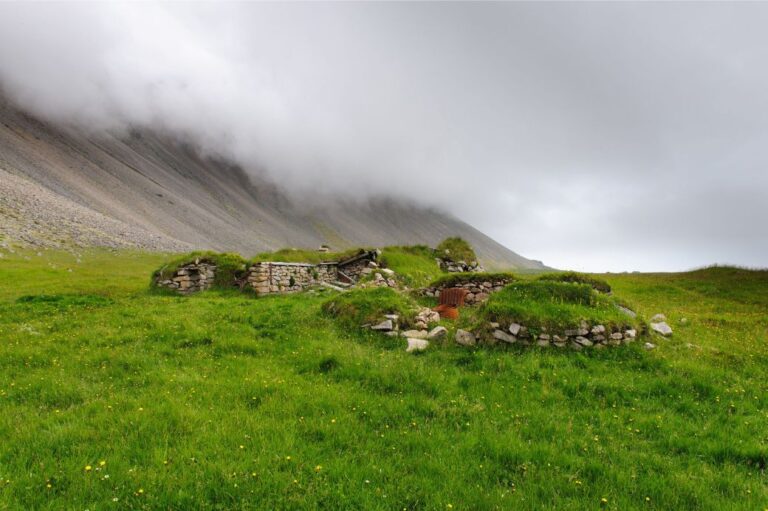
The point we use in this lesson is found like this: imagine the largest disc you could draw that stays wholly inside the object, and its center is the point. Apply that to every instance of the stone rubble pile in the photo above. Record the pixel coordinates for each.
(458, 266)
(584, 336)
(191, 278)
(477, 292)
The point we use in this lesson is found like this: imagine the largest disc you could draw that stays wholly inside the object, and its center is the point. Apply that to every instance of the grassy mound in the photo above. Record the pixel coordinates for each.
(554, 305)
(414, 266)
(456, 249)
(363, 306)
(229, 267)
(298, 255)
(455, 279)
(578, 278)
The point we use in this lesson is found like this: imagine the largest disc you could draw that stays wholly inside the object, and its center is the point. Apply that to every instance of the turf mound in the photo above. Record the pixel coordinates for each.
(555, 306)
(578, 278)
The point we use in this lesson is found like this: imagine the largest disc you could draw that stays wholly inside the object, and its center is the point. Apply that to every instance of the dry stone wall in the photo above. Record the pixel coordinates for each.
(275, 277)
(191, 278)
(270, 277)
(577, 338)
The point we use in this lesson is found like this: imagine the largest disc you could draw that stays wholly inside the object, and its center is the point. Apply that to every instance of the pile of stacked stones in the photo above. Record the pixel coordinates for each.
(477, 292)
(190, 278)
(271, 277)
(458, 266)
(585, 336)
(418, 338)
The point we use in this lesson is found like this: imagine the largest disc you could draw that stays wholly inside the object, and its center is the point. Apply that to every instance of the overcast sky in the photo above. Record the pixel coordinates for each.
(592, 136)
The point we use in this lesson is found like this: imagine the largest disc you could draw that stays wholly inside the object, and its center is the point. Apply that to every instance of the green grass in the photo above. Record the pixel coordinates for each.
(414, 266)
(368, 306)
(578, 278)
(225, 401)
(555, 305)
(297, 255)
(456, 249)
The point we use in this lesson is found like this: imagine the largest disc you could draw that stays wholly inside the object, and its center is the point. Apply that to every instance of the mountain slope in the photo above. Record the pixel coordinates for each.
(61, 186)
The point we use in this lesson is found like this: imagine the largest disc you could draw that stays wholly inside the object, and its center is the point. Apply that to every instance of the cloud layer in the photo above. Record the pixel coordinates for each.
(592, 136)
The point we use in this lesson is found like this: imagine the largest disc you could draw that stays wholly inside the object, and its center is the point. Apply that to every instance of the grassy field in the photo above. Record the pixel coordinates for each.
(112, 397)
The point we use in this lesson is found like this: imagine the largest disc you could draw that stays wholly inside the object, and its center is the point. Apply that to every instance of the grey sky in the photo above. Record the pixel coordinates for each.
(593, 136)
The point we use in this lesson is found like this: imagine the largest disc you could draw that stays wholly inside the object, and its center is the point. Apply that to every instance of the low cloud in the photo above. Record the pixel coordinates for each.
(594, 136)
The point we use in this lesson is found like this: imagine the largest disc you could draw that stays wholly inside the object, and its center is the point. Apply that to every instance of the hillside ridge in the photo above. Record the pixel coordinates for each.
(146, 190)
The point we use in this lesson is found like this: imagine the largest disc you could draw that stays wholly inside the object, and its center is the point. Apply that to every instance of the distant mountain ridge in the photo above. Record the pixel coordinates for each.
(148, 191)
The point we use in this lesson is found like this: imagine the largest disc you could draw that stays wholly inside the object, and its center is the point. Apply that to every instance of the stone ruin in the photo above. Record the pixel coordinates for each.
(272, 277)
(191, 278)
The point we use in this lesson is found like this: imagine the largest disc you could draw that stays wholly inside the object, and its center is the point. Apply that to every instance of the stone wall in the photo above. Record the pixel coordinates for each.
(190, 278)
(276, 277)
(271, 277)
(577, 338)
(477, 292)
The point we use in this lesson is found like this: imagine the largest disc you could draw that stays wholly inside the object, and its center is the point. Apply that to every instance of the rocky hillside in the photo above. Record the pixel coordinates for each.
(61, 187)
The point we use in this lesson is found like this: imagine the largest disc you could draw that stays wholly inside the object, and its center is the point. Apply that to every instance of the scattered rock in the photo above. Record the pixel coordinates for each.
(384, 325)
(662, 328)
(514, 329)
(598, 329)
(630, 334)
(437, 332)
(628, 312)
(658, 318)
(584, 341)
(617, 336)
(416, 345)
(415, 334)
(504, 336)
(465, 338)
(387, 272)
(649, 346)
